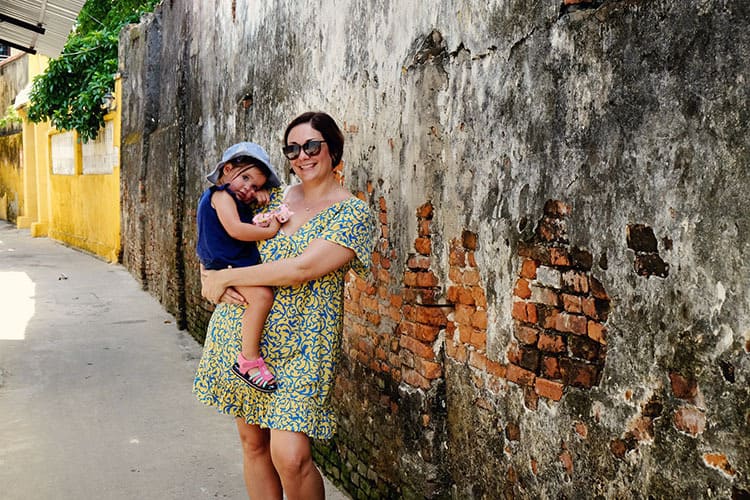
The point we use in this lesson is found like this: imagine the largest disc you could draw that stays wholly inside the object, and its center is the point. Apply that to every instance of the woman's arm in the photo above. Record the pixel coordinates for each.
(226, 209)
(320, 258)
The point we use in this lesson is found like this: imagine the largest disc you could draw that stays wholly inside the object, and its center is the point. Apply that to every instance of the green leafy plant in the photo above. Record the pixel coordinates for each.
(11, 118)
(71, 90)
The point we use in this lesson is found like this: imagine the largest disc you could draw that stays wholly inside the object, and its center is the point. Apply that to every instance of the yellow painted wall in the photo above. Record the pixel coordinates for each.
(85, 208)
(80, 210)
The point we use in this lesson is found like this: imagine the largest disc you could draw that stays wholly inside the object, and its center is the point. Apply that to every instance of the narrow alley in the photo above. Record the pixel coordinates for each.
(95, 387)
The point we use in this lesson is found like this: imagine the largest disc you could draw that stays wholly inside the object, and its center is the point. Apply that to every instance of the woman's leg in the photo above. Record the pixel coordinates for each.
(292, 458)
(261, 479)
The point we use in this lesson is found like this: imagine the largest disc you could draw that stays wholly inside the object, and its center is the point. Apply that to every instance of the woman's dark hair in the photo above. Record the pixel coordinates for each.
(323, 123)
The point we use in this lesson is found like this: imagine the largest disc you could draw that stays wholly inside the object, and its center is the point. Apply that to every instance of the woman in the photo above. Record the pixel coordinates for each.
(329, 232)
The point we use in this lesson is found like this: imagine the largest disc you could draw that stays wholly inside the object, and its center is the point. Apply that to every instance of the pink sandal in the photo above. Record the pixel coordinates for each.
(263, 380)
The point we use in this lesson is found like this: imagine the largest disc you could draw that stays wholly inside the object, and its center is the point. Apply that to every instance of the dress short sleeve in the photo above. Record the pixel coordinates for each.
(353, 227)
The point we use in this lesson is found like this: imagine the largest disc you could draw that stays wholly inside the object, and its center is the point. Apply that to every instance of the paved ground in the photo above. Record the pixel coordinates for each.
(95, 387)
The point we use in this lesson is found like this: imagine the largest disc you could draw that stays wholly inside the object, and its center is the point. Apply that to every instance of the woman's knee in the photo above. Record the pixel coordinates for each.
(291, 454)
(255, 441)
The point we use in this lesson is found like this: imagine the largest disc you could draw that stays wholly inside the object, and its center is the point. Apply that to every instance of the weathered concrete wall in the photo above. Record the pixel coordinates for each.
(560, 305)
(13, 78)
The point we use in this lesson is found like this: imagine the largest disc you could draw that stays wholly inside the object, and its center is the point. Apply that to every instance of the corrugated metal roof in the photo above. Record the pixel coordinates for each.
(20, 21)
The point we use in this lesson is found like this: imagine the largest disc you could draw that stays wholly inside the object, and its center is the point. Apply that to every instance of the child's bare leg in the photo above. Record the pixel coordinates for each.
(250, 366)
(259, 301)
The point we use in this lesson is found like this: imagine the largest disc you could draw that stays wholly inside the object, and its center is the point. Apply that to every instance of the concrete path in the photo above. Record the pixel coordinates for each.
(95, 387)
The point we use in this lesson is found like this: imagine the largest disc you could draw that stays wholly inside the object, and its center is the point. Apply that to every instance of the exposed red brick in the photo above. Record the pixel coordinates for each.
(719, 461)
(522, 289)
(425, 211)
(571, 323)
(464, 333)
(418, 262)
(428, 369)
(423, 245)
(478, 339)
(618, 447)
(479, 319)
(457, 257)
(578, 373)
(471, 258)
(420, 279)
(547, 317)
(551, 343)
(469, 240)
(463, 314)
(496, 369)
(552, 230)
(534, 467)
(480, 299)
(575, 282)
(426, 315)
(519, 375)
(556, 208)
(572, 303)
(597, 289)
(471, 277)
(559, 256)
(548, 389)
(642, 428)
(414, 379)
(581, 429)
(683, 387)
(382, 204)
(477, 360)
(519, 311)
(456, 351)
(530, 357)
(531, 313)
(528, 269)
(583, 348)
(451, 294)
(527, 335)
(542, 295)
(514, 354)
(423, 228)
(550, 367)
(567, 460)
(512, 431)
(530, 398)
(420, 331)
(690, 420)
(465, 296)
(596, 331)
(538, 253)
(423, 350)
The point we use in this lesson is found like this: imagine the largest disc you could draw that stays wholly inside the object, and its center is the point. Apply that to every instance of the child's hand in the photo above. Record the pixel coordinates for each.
(283, 213)
(262, 197)
(263, 220)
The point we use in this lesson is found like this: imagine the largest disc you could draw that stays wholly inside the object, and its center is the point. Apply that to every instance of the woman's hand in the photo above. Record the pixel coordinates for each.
(212, 287)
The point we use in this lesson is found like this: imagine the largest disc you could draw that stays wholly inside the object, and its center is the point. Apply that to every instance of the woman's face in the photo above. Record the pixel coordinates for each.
(244, 181)
(309, 164)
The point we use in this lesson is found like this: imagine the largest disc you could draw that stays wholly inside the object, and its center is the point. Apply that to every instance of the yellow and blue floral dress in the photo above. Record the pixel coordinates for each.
(301, 339)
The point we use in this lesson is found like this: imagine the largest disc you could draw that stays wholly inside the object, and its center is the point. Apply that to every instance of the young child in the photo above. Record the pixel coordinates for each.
(226, 237)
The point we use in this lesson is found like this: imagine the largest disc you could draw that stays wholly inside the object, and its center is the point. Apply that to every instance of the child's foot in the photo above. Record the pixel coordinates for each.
(254, 373)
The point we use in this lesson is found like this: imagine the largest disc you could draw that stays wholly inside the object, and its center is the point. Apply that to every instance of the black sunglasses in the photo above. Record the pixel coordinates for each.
(311, 148)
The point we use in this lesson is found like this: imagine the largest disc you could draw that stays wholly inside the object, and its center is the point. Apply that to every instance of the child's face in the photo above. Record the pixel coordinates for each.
(244, 180)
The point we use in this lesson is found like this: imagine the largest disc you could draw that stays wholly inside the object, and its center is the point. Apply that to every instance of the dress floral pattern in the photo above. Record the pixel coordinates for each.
(301, 339)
